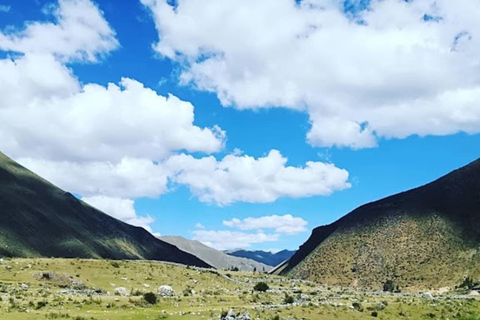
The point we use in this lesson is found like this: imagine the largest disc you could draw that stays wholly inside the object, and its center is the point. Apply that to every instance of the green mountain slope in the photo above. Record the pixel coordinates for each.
(38, 219)
(422, 238)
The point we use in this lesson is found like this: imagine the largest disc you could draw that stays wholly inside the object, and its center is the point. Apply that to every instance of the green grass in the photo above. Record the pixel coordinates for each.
(215, 292)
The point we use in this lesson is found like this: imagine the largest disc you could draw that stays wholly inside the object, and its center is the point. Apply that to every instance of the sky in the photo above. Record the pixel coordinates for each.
(241, 123)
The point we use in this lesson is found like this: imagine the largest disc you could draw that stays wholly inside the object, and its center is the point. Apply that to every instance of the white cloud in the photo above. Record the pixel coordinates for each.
(246, 179)
(79, 32)
(101, 123)
(122, 209)
(199, 226)
(5, 8)
(128, 178)
(286, 224)
(87, 138)
(223, 240)
(117, 140)
(385, 72)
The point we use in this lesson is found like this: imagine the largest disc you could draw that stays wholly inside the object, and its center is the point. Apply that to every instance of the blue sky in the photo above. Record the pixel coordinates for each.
(386, 155)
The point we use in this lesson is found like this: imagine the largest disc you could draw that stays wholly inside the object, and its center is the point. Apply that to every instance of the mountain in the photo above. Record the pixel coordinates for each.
(38, 219)
(421, 238)
(266, 257)
(215, 258)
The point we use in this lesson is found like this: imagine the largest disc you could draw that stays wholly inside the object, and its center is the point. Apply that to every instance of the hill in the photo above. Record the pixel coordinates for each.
(215, 258)
(37, 219)
(424, 237)
(266, 257)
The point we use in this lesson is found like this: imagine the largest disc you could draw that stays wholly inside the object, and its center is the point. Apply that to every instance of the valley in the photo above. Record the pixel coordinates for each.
(83, 289)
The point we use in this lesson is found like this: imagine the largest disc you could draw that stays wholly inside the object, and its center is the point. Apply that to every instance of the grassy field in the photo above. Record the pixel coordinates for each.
(85, 289)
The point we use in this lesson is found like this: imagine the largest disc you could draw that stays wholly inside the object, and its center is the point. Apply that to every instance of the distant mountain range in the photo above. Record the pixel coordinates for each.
(37, 219)
(428, 237)
(213, 257)
(266, 257)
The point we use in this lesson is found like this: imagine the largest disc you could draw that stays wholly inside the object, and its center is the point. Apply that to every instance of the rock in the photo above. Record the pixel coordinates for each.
(474, 293)
(427, 295)
(146, 285)
(166, 291)
(23, 286)
(121, 291)
(244, 316)
(231, 316)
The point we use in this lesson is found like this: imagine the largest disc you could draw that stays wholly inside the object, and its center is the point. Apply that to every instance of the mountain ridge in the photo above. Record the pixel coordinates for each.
(437, 224)
(215, 258)
(266, 257)
(39, 219)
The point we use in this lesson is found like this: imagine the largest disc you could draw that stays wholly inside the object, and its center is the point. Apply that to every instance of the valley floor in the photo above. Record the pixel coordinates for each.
(101, 289)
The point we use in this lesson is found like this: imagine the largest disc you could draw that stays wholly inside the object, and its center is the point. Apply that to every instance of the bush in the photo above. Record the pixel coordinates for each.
(357, 306)
(150, 297)
(115, 264)
(389, 286)
(467, 283)
(288, 299)
(375, 314)
(261, 286)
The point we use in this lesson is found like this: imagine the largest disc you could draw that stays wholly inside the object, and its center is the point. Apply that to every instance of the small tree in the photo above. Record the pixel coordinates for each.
(261, 286)
(150, 297)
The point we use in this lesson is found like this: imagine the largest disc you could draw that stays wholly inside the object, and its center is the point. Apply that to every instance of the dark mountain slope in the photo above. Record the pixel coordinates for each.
(39, 219)
(425, 237)
(266, 257)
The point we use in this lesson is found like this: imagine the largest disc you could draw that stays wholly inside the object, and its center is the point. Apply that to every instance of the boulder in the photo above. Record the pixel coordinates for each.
(427, 295)
(166, 291)
(231, 316)
(121, 291)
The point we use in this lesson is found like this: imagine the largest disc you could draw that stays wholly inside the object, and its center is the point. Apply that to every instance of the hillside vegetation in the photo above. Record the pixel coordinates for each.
(428, 237)
(79, 289)
(38, 219)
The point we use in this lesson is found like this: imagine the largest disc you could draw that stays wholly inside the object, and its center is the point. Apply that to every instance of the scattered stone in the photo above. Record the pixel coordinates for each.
(122, 291)
(146, 285)
(231, 316)
(24, 286)
(427, 295)
(474, 293)
(166, 291)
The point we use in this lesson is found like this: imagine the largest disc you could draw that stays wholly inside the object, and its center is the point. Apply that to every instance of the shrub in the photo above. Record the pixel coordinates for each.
(467, 283)
(115, 264)
(150, 297)
(40, 304)
(389, 286)
(288, 299)
(375, 314)
(357, 306)
(261, 286)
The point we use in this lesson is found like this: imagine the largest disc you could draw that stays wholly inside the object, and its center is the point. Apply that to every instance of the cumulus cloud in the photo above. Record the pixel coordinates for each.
(79, 32)
(99, 123)
(286, 224)
(122, 209)
(223, 240)
(246, 179)
(121, 141)
(128, 178)
(399, 68)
